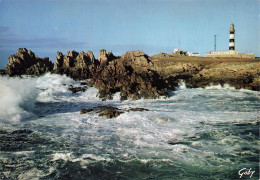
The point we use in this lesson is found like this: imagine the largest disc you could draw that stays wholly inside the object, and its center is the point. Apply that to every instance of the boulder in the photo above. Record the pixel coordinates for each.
(77, 89)
(109, 111)
(137, 109)
(105, 111)
(25, 62)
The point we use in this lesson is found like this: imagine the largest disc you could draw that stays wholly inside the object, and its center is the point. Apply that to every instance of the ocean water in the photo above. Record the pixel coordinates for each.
(201, 133)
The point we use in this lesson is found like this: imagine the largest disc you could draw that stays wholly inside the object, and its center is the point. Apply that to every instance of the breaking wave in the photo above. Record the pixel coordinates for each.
(196, 133)
(17, 97)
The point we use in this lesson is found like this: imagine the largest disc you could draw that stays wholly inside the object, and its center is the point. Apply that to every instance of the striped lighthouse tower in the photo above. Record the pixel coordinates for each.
(232, 37)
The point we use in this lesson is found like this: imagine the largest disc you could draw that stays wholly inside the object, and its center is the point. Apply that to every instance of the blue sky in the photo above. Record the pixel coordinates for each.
(154, 26)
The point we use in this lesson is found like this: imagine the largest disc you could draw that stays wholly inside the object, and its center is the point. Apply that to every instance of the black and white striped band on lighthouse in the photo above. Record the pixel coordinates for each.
(232, 37)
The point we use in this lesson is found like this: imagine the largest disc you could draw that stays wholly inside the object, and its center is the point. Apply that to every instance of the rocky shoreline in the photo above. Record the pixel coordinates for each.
(136, 75)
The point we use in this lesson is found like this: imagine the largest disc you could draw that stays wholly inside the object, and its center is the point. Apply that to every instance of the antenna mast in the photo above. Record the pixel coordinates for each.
(215, 44)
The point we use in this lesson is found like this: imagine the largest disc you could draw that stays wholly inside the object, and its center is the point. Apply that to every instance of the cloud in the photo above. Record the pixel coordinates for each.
(4, 28)
(13, 40)
(9, 40)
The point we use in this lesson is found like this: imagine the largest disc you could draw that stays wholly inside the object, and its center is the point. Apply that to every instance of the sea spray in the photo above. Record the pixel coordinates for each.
(17, 97)
(52, 86)
(225, 86)
(182, 85)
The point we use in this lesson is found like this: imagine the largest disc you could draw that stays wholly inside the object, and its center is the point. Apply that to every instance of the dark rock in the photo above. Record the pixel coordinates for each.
(77, 89)
(2, 72)
(109, 111)
(179, 142)
(25, 62)
(98, 109)
(137, 109)
(42, 66)
(84, 83)
(84, 111)
(106, 111)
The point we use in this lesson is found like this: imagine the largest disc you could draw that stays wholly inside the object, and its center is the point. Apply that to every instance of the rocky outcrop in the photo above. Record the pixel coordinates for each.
(76, 65)
(130, 75)
(25, 62)
(238, 75)
(109, 111)
(105, 57)
(136, 75)
(202, 72)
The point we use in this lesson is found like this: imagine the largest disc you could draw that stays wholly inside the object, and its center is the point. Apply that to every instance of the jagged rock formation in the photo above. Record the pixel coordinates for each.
(25, 62)
(136, 75)
(105, 57)
(130, 75)
(76, 65)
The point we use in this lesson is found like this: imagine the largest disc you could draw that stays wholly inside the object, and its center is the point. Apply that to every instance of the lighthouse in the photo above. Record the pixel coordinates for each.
(232, 53)
(232, 37)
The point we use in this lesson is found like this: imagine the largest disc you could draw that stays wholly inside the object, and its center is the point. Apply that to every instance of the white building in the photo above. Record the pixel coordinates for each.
(195, 54)
(230, 53)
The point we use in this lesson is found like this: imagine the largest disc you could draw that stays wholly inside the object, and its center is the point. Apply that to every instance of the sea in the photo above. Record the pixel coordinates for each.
(198, 133)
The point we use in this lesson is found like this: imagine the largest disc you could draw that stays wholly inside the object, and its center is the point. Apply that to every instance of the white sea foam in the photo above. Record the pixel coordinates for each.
(182, 84)
(90, 94)
(66, 156)
(199, 122)
(53, 86)
(225, 86)
(116, 96)
(17, 97)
